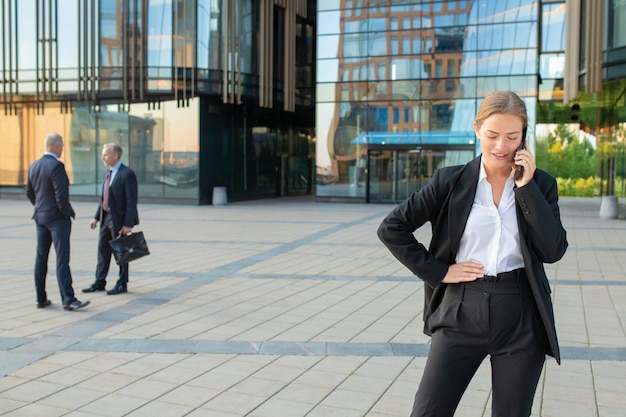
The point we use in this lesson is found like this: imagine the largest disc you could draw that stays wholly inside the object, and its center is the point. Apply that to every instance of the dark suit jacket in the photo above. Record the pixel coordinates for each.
(446, 203)
(48, 189)
(122, 200)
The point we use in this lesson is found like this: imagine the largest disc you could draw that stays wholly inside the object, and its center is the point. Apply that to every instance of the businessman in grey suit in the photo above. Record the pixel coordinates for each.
(47, 189)
(117, 214)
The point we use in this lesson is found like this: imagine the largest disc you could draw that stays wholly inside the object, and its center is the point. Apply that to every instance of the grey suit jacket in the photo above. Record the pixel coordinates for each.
(48, 189)
(446, 203)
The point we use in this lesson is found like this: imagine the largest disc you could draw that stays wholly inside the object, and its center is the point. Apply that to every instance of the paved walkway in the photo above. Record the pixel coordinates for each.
(279, 308)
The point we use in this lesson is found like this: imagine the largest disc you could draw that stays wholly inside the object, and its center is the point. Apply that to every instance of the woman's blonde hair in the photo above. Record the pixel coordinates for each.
(502, 102)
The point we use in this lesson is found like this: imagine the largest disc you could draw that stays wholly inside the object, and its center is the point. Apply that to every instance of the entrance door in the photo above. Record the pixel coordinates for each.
(391, 175)
(396, 174)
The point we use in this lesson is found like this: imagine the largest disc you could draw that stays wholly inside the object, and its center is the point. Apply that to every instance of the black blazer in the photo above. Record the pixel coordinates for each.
(123, 194)
(48, 189)
(446, 203)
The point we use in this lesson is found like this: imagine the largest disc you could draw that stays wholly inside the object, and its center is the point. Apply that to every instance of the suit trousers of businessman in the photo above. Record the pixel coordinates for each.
(475, 320)
(55, 231)
(105, 252)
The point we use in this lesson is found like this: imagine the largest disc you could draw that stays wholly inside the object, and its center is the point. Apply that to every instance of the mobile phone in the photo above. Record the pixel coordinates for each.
(519, 171)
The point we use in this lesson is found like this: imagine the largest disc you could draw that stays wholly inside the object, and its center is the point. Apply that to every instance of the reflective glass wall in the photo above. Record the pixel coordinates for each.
(399, 83)
(177, 83)
(160, 145)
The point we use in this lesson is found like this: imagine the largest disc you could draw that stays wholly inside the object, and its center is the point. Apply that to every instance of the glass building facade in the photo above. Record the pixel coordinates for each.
(399, 82)
(349, 100)
(199, 93)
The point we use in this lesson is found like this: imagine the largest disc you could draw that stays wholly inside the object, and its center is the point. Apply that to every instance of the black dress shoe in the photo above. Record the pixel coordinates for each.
(118, 289)
(93, 288)
(44, 304)
(75, 305)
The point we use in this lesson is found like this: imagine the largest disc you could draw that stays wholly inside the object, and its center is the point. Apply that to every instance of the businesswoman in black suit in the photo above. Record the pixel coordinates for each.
(486, 290)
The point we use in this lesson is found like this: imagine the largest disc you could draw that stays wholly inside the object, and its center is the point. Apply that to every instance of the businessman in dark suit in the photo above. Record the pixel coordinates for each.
(485, 286)
(47, 189)
(117, 214)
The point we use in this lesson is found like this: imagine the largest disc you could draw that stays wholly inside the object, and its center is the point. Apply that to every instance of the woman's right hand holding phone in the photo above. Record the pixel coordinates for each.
(526, 160)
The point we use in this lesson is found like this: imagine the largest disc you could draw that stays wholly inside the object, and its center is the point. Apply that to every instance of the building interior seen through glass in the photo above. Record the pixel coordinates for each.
(160, 145)
(199, 94)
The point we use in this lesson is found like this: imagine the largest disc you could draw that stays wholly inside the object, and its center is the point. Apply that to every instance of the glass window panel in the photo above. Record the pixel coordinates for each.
(379, 24)
(67, 39)
(552, 66)
(354, 45)
(330, 4)
(553, 28)
(378, 44)
(328, 23)
(406, 45)
(417, 45)
(248, 34)
(328, 46)
(327, 70)
(617, 15)
(325, 92)
(346, 74)
(27, 39)
(355, 26)
(163, 149)
(111, 29)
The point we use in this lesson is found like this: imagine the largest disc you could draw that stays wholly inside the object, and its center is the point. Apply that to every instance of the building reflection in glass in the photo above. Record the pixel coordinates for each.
(399, 85)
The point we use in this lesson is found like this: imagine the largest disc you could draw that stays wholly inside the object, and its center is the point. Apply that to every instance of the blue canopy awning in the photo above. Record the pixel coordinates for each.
(415, 138)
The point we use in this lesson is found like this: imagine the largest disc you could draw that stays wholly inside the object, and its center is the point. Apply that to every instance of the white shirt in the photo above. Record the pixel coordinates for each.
(491, 235)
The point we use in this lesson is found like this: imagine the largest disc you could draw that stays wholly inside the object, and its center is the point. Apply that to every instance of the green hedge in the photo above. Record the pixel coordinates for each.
(589, 187)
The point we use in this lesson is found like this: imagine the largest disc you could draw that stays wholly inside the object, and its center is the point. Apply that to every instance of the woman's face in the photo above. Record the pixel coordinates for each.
(500, 135)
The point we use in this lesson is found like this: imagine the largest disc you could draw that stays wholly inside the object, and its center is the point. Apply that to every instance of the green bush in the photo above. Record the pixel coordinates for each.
(590, 187)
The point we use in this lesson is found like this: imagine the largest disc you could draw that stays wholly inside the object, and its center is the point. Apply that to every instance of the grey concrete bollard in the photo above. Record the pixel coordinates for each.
(219, 196)
(609, 208)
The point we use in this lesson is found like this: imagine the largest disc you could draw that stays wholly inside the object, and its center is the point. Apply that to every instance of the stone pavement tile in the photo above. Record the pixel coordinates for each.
(300, 393)
(189, 395)
(34, 409)
(113, 405)
(149, 364)
(107, 382)
(37, 370)
(565, 408)
(392, 406)
(148, 388)
(328, 411)
(351, 400)
(104, 362)
(68, 376)
(7, 405)
(161, 409)
(201, 412)
(259, 386)
(72, 398)
(32, 390)
(236, 403)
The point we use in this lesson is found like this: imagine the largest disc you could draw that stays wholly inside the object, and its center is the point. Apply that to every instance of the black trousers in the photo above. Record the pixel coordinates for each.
(56, 232)
(105, 253)
(494, 317)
